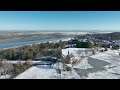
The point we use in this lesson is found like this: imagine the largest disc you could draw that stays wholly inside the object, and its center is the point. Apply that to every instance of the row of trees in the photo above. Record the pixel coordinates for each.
(14, 69)
(35, 51)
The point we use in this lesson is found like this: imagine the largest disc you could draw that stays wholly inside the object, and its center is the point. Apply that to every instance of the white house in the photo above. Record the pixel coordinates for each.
(75, 53)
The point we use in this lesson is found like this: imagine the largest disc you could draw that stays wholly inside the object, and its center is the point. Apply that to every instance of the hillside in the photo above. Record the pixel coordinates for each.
(103, 65)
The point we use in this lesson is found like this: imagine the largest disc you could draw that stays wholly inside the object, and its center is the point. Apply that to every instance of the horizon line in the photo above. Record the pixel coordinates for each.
(57, 30)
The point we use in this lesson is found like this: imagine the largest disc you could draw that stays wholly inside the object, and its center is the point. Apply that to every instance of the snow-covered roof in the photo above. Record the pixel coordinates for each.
(71, 55)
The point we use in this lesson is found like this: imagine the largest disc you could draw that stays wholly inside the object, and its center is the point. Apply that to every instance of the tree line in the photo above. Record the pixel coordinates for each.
(35, 51)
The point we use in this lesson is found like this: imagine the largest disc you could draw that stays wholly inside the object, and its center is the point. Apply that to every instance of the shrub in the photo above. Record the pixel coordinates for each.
(115, 47)
(93, 51)
(67, 59)
(83, 45)
(7, 66)
(27, 64)
(66, 68)
(106, 49)
(21, 67)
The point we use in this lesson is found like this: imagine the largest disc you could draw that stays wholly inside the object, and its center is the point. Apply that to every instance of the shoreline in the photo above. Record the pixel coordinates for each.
(50, 41)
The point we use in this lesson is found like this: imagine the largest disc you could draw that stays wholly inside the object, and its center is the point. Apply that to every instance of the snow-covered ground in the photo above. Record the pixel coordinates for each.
(83, 64)
(38, 72)
(111, 56)
(101, 75)
(33, 62)
(47, 72)
(77, 52)
(102, 65)
(5, 76)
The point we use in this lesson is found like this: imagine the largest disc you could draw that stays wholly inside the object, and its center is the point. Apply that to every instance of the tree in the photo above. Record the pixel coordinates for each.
(28, 55)
(27, 64)
(8, 67)
(115, 47)
(83, 44)
(45, 52)
(67, 59)
(1, 55)
(61, 43)
(86, 52)
(93, 51)
(58, 52)
(106, 49)
(34, 51)
(80, 54)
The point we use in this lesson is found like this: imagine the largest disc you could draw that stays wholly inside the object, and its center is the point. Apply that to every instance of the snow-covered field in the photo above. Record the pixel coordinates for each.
(38, 72)
(47, 72)
(33, 62)
(77, 52)
(83, 64)
(102, 65)
(111, 56)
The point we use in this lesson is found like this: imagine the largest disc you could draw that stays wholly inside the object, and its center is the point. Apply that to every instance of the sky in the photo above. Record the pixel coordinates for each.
(60, 20)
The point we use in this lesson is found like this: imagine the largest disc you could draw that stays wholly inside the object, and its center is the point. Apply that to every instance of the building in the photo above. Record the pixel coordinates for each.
(71, 46)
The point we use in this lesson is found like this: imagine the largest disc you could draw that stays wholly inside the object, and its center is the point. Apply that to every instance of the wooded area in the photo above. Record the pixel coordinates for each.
(35, 51)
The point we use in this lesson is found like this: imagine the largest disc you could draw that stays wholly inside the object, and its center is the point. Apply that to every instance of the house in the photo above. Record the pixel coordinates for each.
(74, 54)
(68, 59)
(72, 59)
(110, 46)
(71, 46)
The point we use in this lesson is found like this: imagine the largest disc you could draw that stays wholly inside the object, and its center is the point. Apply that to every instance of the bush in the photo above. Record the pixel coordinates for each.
(7, 66)
(0, 63)
(21, 67)
(93, 51)
(115, 47)
(68, 69)
(14, 69)
(106, 49)
(83, 45)
(27, 64)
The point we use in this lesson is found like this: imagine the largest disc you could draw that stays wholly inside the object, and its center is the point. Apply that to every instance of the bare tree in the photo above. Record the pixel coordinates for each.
(86, 52)
(80, 53)
(93, 51)
(1, 56)
(8, 67)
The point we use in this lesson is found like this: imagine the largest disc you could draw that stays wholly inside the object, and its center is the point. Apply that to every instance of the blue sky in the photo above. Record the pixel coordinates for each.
(60, 20)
